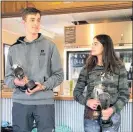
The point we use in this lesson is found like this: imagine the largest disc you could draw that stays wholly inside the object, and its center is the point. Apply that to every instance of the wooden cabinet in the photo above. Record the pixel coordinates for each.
(11, 8)
(82, 36)
(120, 32)
(85, 33)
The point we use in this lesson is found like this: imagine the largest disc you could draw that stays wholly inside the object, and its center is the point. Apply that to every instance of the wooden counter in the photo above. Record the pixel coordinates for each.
(8, 94)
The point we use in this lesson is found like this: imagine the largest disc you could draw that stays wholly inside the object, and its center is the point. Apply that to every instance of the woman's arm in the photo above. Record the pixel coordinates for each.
(80, 86)
(123, 91)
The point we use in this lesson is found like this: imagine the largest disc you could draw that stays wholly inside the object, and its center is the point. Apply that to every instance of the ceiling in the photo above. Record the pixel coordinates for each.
(54, 24)
(14, 8)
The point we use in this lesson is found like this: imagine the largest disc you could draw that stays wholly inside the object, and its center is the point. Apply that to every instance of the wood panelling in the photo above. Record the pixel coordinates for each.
(10, 9)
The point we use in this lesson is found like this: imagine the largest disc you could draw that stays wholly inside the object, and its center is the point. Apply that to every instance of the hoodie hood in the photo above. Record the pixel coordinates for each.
(21, 39)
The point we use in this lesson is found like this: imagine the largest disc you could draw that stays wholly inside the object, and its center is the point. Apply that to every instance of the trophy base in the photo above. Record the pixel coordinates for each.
(22, 89)
(106, 124)
(31, 85)
(95, 115)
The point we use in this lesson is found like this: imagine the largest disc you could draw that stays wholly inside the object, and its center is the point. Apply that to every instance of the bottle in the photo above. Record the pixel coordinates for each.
(71, 87)
(122, 57)
(132, 71)
(130, 74)
(121, 40)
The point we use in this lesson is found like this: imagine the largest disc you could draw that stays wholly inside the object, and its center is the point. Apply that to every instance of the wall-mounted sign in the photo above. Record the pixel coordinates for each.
(70, 34)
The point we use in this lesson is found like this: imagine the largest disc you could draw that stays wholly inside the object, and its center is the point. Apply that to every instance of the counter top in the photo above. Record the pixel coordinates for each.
(8, 94)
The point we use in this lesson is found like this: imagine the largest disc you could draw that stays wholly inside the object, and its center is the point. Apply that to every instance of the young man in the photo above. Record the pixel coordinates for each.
(41, 63)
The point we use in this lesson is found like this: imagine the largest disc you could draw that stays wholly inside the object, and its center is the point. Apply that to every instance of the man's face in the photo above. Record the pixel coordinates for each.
(32, 23)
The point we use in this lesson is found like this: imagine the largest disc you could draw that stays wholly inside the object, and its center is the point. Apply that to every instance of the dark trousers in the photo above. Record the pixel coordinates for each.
(24, 116)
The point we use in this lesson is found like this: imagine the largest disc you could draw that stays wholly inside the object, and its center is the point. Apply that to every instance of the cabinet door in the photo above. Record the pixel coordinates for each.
(81, 37)
(11, 8)
(120, 32)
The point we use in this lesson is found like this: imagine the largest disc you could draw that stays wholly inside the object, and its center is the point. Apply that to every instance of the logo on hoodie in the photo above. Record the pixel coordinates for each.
(42, 52)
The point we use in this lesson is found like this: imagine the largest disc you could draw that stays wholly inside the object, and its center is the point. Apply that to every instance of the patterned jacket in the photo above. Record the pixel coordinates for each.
(117, 86)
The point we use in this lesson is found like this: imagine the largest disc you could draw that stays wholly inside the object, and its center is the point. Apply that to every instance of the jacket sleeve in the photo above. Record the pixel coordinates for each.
(57, 75)
(123, 91)
(9, 76)
(80, 86)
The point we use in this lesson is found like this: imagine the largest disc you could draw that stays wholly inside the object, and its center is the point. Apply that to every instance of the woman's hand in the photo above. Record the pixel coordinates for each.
(93, 103)
(107, 113)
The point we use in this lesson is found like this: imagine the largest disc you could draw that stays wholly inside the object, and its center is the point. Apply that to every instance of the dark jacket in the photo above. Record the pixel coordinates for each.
(117, 88)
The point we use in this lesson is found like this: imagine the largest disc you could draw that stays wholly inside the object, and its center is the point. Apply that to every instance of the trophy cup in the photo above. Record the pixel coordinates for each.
(19, 73)
(98, 89)
(104, 99)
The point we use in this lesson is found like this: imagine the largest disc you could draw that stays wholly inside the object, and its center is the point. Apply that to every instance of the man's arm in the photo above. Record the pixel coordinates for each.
(56, 69)
(9, 76)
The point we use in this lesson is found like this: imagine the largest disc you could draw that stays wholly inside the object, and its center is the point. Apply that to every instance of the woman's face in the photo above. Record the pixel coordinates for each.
(97, 48)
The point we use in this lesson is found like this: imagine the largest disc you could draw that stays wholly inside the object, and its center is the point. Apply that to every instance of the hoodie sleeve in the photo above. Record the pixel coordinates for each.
(9, 76)
(123, 91)
(57, 75)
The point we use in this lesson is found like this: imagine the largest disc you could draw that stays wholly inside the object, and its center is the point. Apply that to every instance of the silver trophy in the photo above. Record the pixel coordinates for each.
(105, 99)
(98, 89)
(19, 73)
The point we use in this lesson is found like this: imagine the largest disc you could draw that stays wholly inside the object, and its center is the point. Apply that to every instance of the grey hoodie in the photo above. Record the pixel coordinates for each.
(40, 60)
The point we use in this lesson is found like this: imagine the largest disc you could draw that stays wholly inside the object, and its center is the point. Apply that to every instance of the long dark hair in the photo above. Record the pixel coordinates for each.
(110, 61)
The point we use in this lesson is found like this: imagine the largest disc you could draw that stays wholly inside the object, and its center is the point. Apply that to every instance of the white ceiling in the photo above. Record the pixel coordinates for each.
(54, 24)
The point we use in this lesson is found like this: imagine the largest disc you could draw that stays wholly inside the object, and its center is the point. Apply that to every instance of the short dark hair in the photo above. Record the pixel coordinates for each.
(30, 10)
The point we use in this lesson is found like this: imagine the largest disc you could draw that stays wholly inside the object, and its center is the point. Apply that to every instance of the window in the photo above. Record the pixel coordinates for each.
(6, 49)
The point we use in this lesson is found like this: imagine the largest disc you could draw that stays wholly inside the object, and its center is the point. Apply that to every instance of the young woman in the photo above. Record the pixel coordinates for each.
(105, 71)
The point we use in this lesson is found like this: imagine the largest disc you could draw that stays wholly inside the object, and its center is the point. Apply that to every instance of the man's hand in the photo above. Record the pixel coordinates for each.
(18, 82)
(107, 113)
(39, 87)
(93, 103)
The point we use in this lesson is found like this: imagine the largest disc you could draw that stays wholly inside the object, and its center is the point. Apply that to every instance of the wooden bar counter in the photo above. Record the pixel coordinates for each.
(67, 112)
(8, 94)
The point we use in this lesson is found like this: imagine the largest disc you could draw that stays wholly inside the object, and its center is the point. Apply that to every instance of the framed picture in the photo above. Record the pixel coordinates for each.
(5, 51)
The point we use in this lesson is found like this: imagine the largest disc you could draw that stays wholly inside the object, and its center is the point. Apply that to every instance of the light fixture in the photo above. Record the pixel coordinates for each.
(80, 22)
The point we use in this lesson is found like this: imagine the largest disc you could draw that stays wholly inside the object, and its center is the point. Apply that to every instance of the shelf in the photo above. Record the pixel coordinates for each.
(74, 78)
(129, 80)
